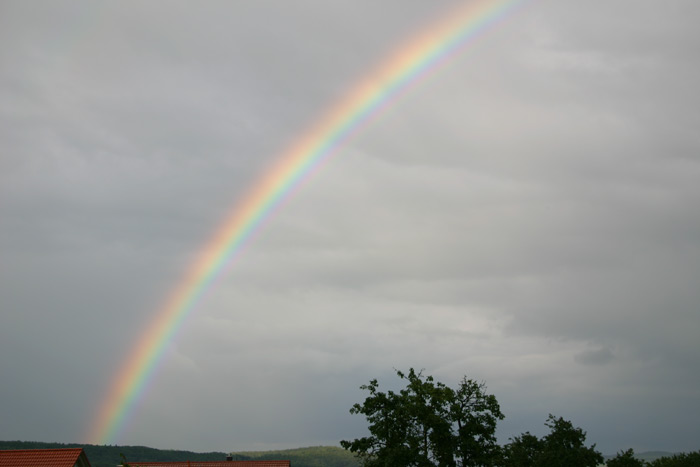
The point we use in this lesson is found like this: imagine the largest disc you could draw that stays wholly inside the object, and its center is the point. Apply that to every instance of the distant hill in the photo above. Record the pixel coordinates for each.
(647, 456)
(317, 456)
(110, 456)
(652, 455)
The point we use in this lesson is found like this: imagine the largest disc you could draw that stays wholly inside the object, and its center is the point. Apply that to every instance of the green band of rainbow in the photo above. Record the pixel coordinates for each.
(383, 86)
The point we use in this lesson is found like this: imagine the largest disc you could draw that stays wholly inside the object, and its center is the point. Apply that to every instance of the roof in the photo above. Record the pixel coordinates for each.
(44, 458)
(213, 464)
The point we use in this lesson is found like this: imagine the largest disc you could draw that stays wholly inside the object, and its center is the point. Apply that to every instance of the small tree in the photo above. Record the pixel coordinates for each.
(522, 451)
(564, 446)
(390, 437)
(475, 415)
(625, 459)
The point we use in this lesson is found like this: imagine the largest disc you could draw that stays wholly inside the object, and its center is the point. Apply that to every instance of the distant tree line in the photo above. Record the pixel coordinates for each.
(428, 424)
(627, 459)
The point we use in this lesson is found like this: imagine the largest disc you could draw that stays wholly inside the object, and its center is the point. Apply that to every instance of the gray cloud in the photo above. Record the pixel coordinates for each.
(600, 356)
(526, 216)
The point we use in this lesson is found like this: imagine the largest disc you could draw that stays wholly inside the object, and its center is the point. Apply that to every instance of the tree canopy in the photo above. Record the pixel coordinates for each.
(428, 424)
(625, 459)
(564, 446)
(523, 451)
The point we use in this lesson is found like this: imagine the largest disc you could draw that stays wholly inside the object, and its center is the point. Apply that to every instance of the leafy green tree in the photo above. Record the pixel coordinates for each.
(564, 446)
(427, 424)
(625, 459)
(475, 415)
(427, 408)
(522, 451)
(389, 441)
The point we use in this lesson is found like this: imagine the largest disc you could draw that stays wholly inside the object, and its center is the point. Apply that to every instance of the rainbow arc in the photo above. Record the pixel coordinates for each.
(419, 57)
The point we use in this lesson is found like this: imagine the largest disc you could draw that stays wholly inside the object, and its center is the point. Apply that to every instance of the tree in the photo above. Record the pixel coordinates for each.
(389, 441)
(625, 459)
(564, 446)
(427, 424)
(522, 451)
(475, 414)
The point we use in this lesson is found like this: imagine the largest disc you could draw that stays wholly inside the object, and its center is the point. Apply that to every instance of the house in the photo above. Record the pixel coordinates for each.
(74, 457)
(226, 463)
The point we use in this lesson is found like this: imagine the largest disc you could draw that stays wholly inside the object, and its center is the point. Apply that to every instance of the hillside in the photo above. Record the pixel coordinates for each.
(109, 456)
(317, 456)
(645, 456)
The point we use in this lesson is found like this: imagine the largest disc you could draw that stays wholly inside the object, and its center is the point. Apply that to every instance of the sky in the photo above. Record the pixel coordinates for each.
(524, 216)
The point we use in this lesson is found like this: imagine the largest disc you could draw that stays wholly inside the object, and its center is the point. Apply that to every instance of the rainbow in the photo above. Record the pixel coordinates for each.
(378, 90)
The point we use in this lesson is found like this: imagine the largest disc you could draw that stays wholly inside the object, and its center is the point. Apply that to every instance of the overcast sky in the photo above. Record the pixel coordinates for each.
(529, 216)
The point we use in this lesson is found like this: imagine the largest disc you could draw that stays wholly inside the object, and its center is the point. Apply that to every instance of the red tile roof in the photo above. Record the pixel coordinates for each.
(213, 464)
(43, 458)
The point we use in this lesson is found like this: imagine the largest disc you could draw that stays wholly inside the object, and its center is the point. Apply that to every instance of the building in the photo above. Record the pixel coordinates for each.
(226, 463)
(74, 457)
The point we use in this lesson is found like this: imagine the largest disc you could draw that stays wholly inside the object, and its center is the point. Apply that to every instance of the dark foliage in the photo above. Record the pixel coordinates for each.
(690, 459)
(523, 451)
(428, 424)
(625, 459)
(564, 446)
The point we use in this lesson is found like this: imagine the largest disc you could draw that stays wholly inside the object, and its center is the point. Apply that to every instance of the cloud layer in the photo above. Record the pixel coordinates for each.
(525, 217)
